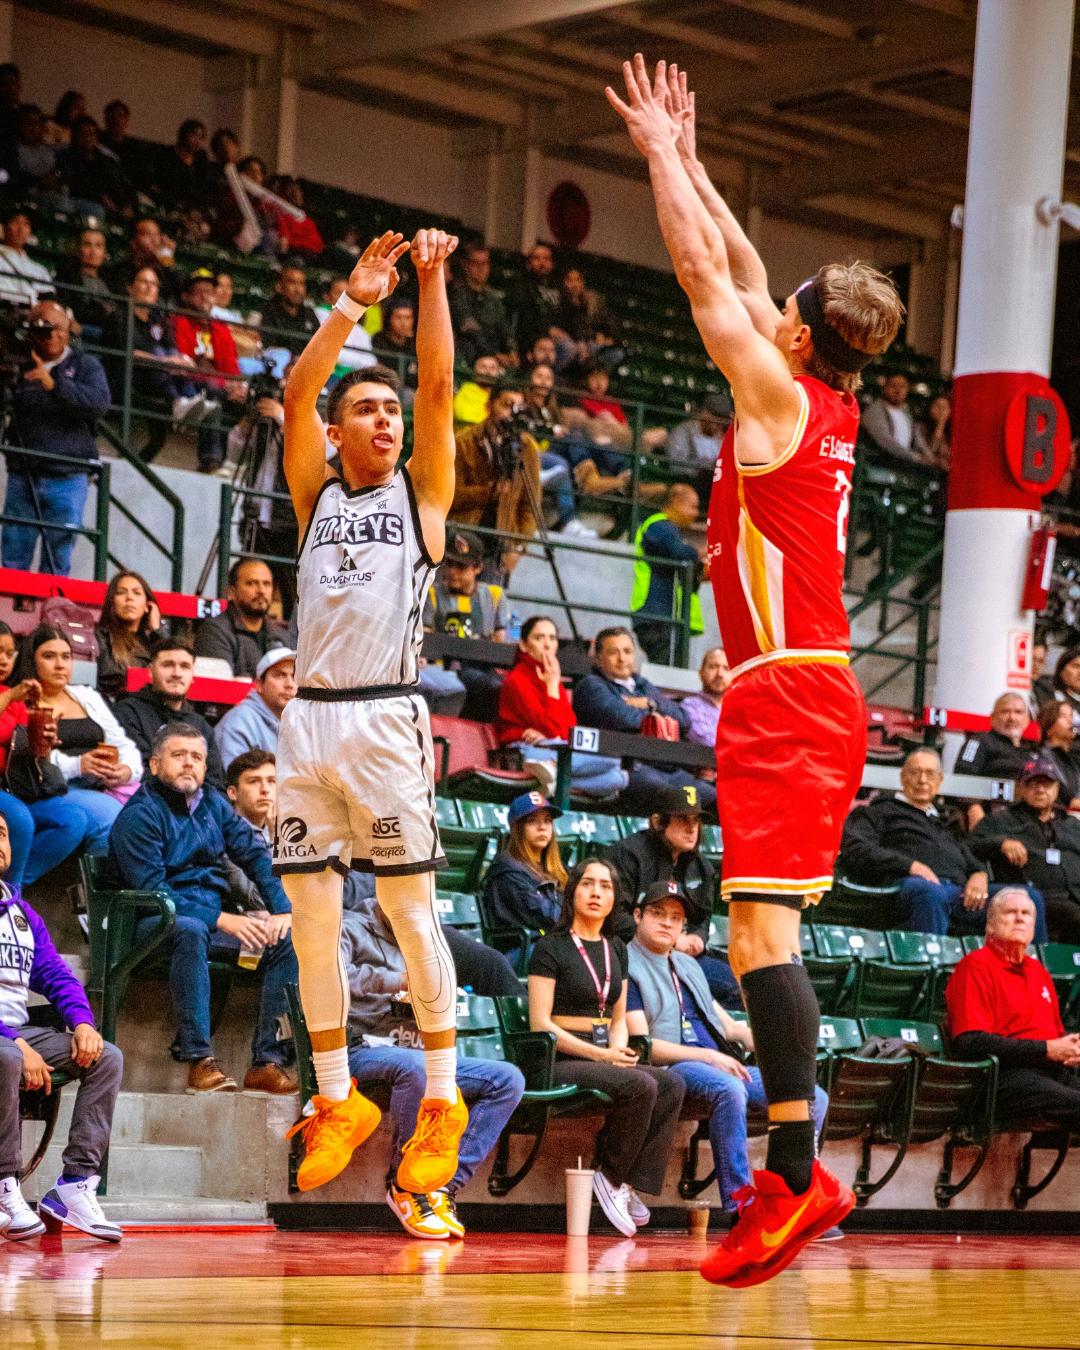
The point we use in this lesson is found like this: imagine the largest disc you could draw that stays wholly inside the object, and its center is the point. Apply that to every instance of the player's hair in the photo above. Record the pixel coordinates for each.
(368, 375)
(566, 914)
(171, 731)
(863, 305)
(245, 763)
(531, 622)
(617, 631)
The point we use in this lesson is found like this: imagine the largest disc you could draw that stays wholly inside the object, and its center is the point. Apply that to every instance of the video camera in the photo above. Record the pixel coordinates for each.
(506, 441)
(17, 333)
(264, 384)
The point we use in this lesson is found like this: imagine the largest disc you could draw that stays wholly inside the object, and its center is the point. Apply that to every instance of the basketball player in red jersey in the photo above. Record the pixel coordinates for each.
(792, 738)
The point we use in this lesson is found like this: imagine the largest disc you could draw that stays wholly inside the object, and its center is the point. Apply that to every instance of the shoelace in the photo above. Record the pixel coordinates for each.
(90, 1200)
(433, 1132)
(745, 1198)
(315, 1127)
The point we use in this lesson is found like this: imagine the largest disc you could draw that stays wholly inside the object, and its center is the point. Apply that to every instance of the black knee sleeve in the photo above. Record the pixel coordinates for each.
(784, 1017)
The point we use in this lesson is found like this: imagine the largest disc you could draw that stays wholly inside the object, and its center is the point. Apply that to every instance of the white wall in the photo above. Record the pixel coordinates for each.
(792, 252)
(623, 217)
(161, 85)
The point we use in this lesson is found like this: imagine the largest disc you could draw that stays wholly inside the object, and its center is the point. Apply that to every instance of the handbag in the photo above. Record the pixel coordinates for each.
(77, 623)
(660, 727)
(30, 779)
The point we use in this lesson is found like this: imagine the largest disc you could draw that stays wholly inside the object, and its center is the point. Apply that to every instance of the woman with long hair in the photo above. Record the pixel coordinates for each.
(129, 626)
(535, 708)
(1067, 677)
(578, 976)
(98, 759)
(42, 833)
(1057, 725)
(523, 885)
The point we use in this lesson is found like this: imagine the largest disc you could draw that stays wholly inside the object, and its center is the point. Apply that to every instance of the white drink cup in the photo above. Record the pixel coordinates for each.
(579, 1194)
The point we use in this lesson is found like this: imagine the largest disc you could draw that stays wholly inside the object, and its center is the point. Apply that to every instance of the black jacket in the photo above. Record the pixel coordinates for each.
(223, 637)
(515, 897)
(882, 840)
(643, 859)
(1021, 822)
(144, 713)
(992, 755)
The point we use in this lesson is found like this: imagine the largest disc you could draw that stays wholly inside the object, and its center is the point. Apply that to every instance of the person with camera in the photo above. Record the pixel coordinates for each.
(497, 483)
(59, 393)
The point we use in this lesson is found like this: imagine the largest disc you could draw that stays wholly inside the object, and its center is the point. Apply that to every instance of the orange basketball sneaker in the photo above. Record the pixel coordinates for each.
(774, 1226)
(429, 1160)
(330, 1135)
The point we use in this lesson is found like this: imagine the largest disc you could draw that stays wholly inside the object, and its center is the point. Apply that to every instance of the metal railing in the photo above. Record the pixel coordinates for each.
(173, 552)
(98, 533)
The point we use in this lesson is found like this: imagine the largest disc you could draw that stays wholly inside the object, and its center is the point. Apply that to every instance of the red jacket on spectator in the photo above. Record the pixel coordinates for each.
(14, 715)
(524, 702)
(206, 340)
(299, 236)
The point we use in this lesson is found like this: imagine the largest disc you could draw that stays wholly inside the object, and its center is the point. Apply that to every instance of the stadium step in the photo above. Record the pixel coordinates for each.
(170, 1169)
(170, 1209)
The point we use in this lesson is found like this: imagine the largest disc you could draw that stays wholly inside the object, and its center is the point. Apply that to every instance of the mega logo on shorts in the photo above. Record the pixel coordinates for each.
(289, 840)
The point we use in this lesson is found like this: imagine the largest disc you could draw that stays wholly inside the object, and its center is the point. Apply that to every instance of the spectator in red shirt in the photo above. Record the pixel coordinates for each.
(296, 236)
(209, 344)
(1002, 1002)
(535, 711)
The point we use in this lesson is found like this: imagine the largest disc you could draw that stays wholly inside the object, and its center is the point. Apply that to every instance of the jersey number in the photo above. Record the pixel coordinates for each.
(843, 510)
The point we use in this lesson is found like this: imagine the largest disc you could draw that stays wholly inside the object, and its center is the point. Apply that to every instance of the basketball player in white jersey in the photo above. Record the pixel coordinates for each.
(355, 762)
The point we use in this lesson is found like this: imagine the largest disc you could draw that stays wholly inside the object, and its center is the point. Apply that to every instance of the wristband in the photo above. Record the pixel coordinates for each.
(352, 309)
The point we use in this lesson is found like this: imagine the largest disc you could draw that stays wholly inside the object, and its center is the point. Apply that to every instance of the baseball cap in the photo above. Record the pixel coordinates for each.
(273, 657)
(660, 891)
(677, 801)
(528, 804)
(1039, 766)
(200, 274)
(462, 546)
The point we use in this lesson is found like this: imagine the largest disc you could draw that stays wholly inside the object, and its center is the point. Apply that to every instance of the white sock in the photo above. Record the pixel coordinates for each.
(332, 1073)
(441, 1066)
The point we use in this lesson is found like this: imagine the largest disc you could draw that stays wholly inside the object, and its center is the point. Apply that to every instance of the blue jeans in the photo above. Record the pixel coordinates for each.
(42, 835)
(933, 905)
(443, 690)
(723, 1100)
(647, 779)
(101, 811)
(194, 945)
(62, 501)
(594, 775)
(490, 1088)
(558, 486)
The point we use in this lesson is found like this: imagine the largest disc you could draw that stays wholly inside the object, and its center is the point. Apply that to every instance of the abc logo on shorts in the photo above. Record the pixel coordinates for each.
(389, 827)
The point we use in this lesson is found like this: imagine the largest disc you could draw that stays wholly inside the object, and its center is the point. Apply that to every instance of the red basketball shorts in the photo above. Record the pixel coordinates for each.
(790, 752)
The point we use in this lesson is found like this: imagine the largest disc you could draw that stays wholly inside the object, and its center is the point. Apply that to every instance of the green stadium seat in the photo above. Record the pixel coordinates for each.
(941, 954)
(483, 815)
(629, 825)
(447, 812)
(863, 944)
(482, 1047)
(883, 989)
(717, 943)
(839, 1035)
(1063, 964)
(592, 832)
(476, 1015)
(457, 909)
(467, 851)
(534, 1054)
(850, 902)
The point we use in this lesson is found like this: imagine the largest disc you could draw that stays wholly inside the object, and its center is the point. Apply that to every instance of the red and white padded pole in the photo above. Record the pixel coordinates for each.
(1010, 431)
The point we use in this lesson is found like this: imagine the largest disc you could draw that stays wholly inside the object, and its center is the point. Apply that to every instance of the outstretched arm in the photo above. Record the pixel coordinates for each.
(373, 278)
(748, 273)
(761, 383)
(431, 467)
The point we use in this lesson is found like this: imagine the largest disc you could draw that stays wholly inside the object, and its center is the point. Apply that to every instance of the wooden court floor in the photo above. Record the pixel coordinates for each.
(215, 1289)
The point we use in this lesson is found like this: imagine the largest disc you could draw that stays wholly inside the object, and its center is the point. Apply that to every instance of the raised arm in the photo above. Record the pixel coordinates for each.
(373, 278)
(764, 389)
(748, 273)
(431, 467)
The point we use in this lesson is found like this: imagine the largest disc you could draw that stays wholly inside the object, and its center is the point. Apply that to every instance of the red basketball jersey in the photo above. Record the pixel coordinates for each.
(778, 534)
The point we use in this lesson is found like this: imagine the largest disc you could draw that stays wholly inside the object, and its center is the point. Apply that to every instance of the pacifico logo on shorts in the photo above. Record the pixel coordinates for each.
(289, 837)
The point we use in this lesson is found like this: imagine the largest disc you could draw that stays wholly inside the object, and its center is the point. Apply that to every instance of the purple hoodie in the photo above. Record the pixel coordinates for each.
(30, 962)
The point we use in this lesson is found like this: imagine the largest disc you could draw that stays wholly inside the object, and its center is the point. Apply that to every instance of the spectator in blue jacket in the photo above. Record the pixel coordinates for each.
(29, 1054)
(57, 403)
(615, 698)
(523, 885)
(254, 723)
(174, 836)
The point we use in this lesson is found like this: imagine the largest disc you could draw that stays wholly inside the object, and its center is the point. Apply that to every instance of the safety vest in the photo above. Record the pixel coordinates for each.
(643, 581)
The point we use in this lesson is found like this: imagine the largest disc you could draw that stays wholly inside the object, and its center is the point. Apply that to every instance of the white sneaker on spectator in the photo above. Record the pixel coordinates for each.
(574, 529)
(76, 1203)
(613, 1203)
(638, 1210)
(17, 1219)
(190, 409)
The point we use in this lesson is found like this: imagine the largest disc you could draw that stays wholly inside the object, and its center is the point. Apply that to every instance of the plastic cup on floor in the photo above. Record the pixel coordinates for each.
(579, 1194)
(697, 1217)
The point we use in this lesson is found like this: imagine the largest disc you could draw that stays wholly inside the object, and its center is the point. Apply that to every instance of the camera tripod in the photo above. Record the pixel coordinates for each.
(242, 480)
(542, 533)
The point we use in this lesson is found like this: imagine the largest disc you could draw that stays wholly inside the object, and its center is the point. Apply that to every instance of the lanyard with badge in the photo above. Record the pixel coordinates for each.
(600, 1024)
(689, 1036)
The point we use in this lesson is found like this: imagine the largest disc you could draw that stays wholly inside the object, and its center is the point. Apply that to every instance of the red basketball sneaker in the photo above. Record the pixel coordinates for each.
(774, 1226)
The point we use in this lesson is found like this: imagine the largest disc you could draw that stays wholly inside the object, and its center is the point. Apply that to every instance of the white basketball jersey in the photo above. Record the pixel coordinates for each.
(362, 574)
